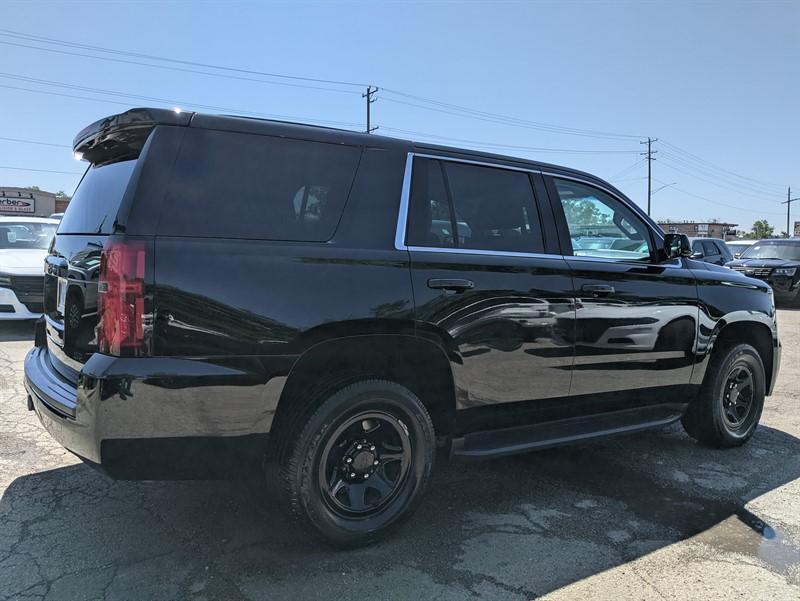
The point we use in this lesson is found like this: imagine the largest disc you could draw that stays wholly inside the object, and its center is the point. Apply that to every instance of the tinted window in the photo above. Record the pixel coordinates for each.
(231, 185)
(600, 225)
(93, 208)
(697, 247)
(17, 236)
(429, 220)
(474, 207)
(709, 248)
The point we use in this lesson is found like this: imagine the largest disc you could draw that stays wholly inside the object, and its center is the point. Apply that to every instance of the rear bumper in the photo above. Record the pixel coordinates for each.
(128, 417)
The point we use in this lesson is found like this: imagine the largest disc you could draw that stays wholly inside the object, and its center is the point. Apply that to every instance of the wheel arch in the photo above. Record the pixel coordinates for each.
(755, 332)
(414, 362)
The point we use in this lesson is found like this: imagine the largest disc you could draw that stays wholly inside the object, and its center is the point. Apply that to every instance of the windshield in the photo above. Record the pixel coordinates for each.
(17, 236)
(789, 252)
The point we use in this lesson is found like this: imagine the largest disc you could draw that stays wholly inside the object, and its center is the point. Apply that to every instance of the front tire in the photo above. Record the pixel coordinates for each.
(728, 408)
(361, 463)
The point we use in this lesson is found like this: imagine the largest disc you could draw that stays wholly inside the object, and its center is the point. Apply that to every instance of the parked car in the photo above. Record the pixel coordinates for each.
(737, 247)
(711, 250)
(278, 291)
(23, 247)
(776, 262)
(57, 216)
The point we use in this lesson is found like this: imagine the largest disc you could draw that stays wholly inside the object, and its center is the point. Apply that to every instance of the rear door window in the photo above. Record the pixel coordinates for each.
(232, 185)
(94, 206)
(461, 205)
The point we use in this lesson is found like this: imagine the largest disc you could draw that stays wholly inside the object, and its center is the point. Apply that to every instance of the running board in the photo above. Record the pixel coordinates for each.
(520, 439)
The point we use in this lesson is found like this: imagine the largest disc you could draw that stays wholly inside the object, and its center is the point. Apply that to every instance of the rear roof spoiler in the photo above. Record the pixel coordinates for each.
(122, 136)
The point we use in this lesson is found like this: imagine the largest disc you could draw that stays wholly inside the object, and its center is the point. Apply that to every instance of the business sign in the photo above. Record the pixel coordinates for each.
(15, 204)
(797, 229)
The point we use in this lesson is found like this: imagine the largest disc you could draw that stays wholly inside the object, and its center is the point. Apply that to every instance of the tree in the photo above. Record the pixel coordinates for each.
(582, 211)
(34, 188)
(762, 229)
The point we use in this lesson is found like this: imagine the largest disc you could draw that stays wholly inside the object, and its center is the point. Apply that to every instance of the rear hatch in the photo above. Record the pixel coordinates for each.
(73, 265)
(93, 262)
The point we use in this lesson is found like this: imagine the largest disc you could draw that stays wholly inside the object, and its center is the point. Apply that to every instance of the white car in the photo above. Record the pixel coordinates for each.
(23, 247)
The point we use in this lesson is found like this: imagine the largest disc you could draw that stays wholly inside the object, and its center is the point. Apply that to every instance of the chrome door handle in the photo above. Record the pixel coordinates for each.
(454, 284)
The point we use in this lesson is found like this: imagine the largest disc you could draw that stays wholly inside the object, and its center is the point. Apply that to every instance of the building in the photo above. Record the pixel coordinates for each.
(700, 229)
(30, 202)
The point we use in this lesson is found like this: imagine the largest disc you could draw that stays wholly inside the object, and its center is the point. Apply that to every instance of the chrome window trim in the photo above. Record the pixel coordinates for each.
(405, 198)
(471, 162)
(405, 195)
(489, 253)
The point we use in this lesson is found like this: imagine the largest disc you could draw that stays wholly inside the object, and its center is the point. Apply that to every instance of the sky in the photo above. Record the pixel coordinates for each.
(718, 83)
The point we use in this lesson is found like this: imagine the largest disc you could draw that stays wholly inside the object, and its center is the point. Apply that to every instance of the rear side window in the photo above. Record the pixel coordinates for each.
(93, 209)
(460, 205)
(231, 185)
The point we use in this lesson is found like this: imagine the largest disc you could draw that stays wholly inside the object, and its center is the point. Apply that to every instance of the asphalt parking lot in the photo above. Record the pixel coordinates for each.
(650, 516)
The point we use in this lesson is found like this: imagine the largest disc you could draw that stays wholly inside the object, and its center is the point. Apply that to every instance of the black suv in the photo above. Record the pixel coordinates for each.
(776, 262)
(711, 250)
(338, 306)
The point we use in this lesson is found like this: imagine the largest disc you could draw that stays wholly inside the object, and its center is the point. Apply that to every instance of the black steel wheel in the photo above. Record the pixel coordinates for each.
(364, 463)
(729, 404)
(737, 395)
(361, 462)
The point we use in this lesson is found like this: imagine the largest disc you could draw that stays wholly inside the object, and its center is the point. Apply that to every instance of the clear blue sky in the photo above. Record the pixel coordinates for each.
(719, 80)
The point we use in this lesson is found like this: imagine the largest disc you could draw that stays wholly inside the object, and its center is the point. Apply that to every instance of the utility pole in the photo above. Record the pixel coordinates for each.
(788, 202)
(649, 154)
(371, 91)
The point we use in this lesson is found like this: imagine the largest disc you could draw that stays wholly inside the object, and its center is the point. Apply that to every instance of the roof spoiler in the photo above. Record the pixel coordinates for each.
(122, 136)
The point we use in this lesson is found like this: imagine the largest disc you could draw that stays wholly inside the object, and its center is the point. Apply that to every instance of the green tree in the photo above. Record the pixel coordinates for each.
(762, 229)
(582, 211)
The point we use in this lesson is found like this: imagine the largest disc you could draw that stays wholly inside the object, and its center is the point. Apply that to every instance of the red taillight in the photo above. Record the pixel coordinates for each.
(120, 299)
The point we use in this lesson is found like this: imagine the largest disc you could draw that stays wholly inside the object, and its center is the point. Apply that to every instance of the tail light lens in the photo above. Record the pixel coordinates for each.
(120, 299)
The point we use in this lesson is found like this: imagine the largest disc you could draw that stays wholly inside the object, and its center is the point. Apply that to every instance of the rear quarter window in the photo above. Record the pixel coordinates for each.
(95, 204)
(233, 185)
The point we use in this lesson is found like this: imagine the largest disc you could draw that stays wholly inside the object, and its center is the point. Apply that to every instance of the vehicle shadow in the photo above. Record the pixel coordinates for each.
(513, 528)
(16, 331)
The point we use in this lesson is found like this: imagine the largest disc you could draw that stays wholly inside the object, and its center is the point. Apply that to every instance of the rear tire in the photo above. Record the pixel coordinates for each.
(361, 463)
(729, 405)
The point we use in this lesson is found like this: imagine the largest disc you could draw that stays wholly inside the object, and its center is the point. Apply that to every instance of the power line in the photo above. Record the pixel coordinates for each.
(59, 42)
(506, 118)
(741, 185)
(41, 170)
(501, 120)
(507, 146)
(716, 167)
(181, 69)
(722, 204)
(164, 101)
(625, 171)
(20, 140)
(666, 163)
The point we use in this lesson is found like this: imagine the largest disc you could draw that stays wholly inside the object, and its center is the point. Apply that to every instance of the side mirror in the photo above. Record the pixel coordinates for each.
(677, 245)
(697, 255)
